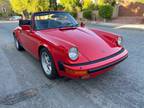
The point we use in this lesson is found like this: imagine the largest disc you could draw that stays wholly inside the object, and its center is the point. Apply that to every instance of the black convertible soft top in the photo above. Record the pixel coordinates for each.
(47, 12)
(29, 22)
(24, 22)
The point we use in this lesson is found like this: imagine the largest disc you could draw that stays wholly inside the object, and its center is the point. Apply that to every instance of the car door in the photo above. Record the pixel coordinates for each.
(30, 41)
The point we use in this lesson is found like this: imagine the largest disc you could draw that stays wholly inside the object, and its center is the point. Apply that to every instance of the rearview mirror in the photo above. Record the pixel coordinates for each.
(82, 24)
(26, 27)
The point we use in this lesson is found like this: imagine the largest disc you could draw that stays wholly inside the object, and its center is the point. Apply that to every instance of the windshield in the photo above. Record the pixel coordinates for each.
(54, 20)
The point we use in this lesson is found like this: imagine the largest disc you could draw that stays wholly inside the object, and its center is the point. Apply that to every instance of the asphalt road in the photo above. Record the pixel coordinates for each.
(23, 85)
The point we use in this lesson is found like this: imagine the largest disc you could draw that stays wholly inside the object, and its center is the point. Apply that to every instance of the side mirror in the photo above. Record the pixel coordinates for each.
(26, 27)
(82, 24)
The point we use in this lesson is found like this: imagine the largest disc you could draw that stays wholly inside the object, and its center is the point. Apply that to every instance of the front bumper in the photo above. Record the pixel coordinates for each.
(93, 68)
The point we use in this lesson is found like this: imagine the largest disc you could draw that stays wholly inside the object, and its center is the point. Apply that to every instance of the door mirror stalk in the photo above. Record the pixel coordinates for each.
(82, 24)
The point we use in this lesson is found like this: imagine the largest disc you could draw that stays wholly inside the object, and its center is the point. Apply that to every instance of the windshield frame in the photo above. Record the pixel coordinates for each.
(51, 12)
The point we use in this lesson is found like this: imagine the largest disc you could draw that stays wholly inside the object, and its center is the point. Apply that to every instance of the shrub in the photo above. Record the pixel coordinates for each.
(1, 14)
(74, 14)
(106, 11)
(87, 14)
(60, 7)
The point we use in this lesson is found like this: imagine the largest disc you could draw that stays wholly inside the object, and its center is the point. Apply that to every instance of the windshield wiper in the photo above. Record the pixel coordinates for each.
(68, 28)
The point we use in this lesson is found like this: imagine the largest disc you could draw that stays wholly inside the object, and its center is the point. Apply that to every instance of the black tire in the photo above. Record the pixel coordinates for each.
(53, 74)
(18, 45)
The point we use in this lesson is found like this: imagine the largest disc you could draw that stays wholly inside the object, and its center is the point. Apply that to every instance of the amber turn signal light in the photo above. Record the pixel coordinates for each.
(76, 72)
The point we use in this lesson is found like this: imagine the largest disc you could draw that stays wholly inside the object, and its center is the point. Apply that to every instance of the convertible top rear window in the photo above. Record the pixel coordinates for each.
(54, 20)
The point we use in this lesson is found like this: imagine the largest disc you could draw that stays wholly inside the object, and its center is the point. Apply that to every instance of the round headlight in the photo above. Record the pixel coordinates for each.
(119, 41)
(73, 53)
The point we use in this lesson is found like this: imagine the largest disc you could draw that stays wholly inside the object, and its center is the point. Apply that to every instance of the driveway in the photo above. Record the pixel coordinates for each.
(23, 85)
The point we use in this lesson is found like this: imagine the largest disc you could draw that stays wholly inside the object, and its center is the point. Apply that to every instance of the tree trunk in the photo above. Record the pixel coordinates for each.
(25, 15)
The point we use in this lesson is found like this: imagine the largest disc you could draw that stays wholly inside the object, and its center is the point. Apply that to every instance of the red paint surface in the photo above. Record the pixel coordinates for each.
(92, 45)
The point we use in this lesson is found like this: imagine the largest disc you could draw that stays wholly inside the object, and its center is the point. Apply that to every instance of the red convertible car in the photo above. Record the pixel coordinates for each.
(66, 49)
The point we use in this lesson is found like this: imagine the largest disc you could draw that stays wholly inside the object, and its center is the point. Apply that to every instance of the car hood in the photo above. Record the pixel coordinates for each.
(89, 44)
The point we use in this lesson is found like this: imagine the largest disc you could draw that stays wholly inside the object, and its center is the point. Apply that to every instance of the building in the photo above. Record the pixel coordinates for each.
(131, 9)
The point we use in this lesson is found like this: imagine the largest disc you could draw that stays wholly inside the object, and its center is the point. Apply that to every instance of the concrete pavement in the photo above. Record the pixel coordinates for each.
(23, 85)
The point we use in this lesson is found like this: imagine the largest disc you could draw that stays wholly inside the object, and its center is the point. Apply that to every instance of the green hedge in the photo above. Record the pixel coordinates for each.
(87, 14)
(1, 14)
(106, 11)
(60, 7)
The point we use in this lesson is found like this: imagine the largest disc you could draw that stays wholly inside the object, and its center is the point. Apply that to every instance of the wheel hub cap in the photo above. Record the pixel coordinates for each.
(46, 63)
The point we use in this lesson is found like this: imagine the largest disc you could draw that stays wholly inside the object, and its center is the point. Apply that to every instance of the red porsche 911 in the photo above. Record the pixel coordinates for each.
(66, 49)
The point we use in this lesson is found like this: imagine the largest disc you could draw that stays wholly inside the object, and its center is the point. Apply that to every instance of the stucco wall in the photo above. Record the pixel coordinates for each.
(133, 9)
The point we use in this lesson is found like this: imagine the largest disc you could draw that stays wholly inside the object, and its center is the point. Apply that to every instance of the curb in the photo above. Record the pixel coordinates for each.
(1, 21)
(119, 26)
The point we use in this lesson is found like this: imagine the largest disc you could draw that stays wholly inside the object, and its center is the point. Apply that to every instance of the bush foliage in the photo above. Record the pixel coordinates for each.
(1, 14)
(87, 14)
(106, 11)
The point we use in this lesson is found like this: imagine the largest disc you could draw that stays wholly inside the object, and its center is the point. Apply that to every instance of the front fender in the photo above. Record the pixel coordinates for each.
(109, 37)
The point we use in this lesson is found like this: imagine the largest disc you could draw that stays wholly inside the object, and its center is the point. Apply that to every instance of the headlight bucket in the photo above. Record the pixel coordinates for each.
(73, 53)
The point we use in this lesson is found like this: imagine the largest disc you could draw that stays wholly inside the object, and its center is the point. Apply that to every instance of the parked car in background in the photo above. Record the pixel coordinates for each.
(15, 18)
(66, 49)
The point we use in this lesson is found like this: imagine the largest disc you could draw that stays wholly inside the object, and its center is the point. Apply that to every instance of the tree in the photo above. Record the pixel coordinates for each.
(38, 5)
(87, 4)
(19, 6)
(111, 2)
(1, 2)
(129, 1)
(141, 1)
(32, 6)
(70, 5)
(43, 5)
(100, 2)
(26, 7)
